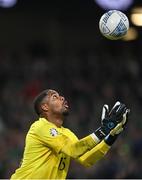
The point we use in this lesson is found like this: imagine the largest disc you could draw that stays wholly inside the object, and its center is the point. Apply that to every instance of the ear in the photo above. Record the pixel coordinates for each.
(44, 107)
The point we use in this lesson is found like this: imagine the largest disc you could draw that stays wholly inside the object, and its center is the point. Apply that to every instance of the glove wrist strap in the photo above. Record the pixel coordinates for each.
(109, 139)
(100, 133)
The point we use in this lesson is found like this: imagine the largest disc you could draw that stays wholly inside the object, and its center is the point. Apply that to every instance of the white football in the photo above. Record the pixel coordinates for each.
(114, 24)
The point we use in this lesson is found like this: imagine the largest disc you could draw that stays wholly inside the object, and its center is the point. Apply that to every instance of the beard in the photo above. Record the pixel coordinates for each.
(65, 112)
(61, 112)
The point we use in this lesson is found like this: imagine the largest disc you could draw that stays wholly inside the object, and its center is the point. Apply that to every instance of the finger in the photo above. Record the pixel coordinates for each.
(119, 126)
(115, 107)
(116, 104)
(106, 107)
(127, 111)
(125, 116)
(124, 119)
(105, 111)
(121, 110)
(117, 129)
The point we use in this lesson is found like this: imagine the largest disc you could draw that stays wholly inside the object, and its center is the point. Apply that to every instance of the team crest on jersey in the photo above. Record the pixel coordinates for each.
(53, 132)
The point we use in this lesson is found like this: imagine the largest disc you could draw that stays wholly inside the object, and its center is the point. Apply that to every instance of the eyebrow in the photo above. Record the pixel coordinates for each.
(49, 94)
(52, 93)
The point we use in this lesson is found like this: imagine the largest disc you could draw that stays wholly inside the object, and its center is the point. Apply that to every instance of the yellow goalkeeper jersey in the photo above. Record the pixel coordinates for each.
(48, 150)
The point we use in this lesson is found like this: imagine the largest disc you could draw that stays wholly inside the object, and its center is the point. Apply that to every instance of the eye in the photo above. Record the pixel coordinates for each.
(55, 96)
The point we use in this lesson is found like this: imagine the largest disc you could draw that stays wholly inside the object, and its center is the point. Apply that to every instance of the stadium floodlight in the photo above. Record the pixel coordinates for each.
(131, 35)
(136, 16)
(114, 4)
(7, 3)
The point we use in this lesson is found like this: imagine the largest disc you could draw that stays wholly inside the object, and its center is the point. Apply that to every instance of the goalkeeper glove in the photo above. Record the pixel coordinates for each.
(111, 138)
(110, 119)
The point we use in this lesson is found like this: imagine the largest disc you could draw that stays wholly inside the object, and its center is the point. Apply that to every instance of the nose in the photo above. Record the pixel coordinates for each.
(62, 98)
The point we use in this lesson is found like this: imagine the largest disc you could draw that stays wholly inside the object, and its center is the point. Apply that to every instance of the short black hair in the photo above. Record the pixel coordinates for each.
(38, 99)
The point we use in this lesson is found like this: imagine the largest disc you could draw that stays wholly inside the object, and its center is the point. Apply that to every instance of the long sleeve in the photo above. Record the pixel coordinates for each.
(78, 148)
(94, 155)
(54, 139)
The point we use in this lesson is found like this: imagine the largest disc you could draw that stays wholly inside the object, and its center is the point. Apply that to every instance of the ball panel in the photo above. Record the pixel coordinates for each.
(113, 21)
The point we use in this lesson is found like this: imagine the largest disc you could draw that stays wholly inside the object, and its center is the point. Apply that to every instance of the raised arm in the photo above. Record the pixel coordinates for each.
(98, 152)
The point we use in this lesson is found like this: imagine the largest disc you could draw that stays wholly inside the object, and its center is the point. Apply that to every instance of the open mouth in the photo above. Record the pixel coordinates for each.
(65, 104)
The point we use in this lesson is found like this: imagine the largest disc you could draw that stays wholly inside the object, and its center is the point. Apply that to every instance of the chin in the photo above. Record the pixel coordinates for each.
(65, 113)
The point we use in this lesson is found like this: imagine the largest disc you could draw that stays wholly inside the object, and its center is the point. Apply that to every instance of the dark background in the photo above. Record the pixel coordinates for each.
(57, 44)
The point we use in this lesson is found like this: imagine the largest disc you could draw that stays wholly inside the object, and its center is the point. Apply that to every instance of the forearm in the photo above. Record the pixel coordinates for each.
(94, 155)
(98, 152)
(77, 149)
(111, 127)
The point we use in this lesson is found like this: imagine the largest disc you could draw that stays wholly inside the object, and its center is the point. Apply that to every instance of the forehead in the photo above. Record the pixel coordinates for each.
(51, 92)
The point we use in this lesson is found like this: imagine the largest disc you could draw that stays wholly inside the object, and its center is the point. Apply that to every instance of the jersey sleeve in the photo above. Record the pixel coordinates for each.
(78, 148)
(59, 142)
(95, 154)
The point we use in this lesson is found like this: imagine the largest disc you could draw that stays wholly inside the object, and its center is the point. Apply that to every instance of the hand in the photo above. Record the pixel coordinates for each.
(114, 117)
(110, 120)
(111, 138)
(119, 128)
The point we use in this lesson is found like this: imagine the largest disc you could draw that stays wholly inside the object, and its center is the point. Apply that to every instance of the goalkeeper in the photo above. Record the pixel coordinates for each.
(49, 146)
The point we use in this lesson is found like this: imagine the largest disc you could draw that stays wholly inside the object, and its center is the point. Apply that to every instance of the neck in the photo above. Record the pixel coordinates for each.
(55, 119)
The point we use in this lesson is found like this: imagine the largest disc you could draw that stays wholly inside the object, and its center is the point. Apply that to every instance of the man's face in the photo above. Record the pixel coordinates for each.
(56, 103)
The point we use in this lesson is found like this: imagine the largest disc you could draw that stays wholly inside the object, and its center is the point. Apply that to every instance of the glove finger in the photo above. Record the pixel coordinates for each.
(117, 129)
(106, 107)
(125, 117)
(105, 111)
(115, 107)
(116, 104)
(121, 109)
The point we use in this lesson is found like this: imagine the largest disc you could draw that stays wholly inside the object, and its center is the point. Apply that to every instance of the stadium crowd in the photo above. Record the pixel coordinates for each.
(88, 79)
